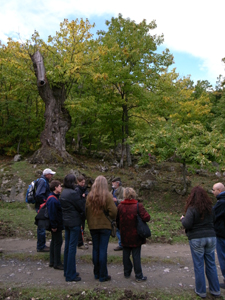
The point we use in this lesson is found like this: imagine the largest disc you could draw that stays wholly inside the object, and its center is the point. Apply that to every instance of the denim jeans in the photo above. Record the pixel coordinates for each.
(203, 250)
(100, 240)
(220, 249)
(119, 237)
(71, 240)
(55, 248)
(127, 264)
(41, 239)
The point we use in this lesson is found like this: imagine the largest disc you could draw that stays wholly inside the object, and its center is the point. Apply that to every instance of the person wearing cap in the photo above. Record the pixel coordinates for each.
(41, 195)
(117, 192)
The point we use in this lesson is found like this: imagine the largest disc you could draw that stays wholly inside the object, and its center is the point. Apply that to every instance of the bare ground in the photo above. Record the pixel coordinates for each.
(169, 268)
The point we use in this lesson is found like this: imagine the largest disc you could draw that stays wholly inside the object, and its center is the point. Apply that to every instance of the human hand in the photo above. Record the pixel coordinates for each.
(181, 218)
(54, 229)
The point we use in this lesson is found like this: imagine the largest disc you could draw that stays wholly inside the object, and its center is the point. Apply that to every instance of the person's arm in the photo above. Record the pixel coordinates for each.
(40, 194)
(188, 220)
(118, 218)
(111, 209)
(143, 213)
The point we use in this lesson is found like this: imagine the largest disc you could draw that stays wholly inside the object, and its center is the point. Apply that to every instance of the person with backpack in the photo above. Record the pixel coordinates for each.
(56, 224)
(41, 195)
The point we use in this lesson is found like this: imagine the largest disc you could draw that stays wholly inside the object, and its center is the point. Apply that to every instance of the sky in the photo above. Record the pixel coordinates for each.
(193, 30)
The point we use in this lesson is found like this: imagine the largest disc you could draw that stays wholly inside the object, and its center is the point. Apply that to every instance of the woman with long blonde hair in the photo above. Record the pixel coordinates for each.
(99, 202)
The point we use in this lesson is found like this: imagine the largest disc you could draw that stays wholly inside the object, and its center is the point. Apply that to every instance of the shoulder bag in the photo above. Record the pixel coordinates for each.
(142, 227)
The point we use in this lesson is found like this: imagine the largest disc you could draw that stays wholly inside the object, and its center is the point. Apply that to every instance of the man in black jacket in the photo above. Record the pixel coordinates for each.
(41, 195)
(219, 226)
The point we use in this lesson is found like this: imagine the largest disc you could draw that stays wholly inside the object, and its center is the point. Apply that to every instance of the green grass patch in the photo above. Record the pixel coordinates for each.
(17, 219)
(96, 293)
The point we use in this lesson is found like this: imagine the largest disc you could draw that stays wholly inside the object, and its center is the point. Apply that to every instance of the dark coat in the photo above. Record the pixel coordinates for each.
(127, 222)
(73, 207)
(55, 211)
(219, 212)
(42, 191)
(195, 226)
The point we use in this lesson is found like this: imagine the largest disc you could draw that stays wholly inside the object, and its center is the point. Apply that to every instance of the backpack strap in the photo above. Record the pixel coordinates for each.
(52, 196)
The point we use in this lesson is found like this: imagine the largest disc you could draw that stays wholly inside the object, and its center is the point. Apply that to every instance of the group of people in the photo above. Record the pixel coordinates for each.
(69, 207)
(205, 229)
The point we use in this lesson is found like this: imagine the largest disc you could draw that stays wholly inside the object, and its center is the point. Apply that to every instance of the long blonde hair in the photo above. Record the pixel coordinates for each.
(96, 199)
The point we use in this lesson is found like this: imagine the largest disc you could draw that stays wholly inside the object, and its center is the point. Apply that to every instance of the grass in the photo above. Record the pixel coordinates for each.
(96, 293)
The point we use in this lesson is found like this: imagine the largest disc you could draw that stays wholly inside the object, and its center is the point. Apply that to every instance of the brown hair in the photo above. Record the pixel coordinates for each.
(80, 178)
(53, 184)
(99, 193)
(129, 193)
(199, 199)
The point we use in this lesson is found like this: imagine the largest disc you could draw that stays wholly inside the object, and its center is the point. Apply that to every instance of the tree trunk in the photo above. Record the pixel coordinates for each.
(184, 191)
(57, 118)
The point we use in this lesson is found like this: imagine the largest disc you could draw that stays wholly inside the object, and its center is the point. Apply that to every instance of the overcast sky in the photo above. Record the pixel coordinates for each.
(193, 30)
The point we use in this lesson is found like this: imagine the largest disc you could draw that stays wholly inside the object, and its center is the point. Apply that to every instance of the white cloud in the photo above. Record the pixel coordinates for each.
(194, 26)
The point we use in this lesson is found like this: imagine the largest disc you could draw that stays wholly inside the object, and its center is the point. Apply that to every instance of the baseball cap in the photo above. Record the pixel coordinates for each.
(48, 171)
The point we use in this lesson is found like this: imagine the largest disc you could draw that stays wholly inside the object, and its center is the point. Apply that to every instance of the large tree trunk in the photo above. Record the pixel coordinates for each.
(57, 118)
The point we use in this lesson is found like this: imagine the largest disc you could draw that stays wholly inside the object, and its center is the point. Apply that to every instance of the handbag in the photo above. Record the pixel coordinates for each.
(113, 225)
(142, 227)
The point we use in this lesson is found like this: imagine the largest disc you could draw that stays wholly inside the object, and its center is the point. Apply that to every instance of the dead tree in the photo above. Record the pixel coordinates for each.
(57, 118)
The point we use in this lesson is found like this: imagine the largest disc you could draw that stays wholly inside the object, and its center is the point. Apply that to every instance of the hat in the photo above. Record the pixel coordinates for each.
(48, 171)
(116, 179)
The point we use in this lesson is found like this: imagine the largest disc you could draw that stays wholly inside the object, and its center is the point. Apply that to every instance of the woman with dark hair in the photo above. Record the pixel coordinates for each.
(100, 200)
(131, 241)
(73, 209)
(198, 224)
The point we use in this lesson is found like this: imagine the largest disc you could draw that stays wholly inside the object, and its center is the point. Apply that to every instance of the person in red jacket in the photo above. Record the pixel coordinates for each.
(131, 241)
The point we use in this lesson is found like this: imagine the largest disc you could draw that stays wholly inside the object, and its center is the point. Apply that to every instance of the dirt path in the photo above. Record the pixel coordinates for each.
(170, 268)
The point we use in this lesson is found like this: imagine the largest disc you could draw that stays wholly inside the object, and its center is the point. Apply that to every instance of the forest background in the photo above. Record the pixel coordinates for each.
(99, 93)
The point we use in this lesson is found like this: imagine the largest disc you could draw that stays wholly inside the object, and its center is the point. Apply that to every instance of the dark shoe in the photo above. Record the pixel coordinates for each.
(76, 279)
(127, 276)
(118, 248)
(59, 267)
(50, 265)
(144, 278)
(45, 249)
(106, 279)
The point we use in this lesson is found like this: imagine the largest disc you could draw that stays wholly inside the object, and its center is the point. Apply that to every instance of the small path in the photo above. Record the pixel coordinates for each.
(170, 268)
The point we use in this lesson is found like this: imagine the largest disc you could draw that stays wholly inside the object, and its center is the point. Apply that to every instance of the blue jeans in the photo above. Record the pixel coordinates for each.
(100, 240)
(71, 241)
(119, 237)
(220, 248)
(203, 250)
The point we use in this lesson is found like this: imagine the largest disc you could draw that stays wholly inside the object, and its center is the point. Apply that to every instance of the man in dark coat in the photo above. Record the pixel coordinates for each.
(219, 226)
(41, 195)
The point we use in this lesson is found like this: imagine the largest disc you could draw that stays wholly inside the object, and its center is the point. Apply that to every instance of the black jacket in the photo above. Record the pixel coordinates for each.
(219, 211)
(73, 207)
(195, 226)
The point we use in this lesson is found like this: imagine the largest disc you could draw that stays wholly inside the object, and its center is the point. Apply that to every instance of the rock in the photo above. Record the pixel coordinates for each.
(148, 184)
(17, 157)
(218, 174)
